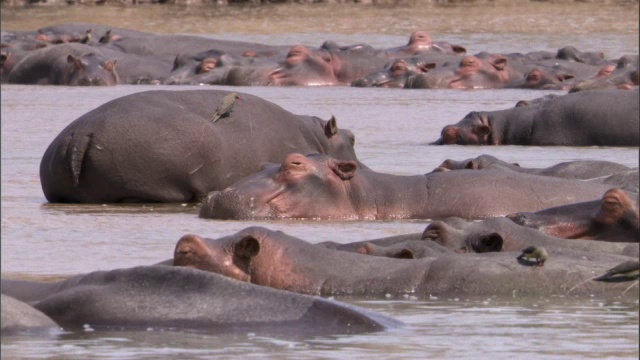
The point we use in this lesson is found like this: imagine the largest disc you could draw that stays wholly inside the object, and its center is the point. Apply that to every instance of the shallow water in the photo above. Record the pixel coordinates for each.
(392, 128)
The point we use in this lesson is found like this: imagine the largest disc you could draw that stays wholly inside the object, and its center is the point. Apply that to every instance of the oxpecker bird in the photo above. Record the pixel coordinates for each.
(225, 107)
(106, 37)
(537, 253)
(628, 269)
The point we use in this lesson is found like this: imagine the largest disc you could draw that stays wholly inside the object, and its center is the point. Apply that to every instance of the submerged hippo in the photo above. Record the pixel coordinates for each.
(19, 318)
(614, 218)
(173, 297)
(320, 187)
(272, 258)
(590, 118)
(162, 146)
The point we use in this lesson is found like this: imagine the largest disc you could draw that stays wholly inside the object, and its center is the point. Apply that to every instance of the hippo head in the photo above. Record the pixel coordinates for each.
(459, 235)
(304, 67)
(474, 129)
(395, 76)
(539, 79)
(617, 209)
(314, 186)
(88, 70)
(254, 254)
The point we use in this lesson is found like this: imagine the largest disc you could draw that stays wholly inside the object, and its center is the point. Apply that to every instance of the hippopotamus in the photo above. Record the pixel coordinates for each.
(488, 71)
(606, 172)
(396, 73)
(546, 79)
(592, 118)
(624, 76)
(65, 64)
(613, 218)
(320, 187)
(19, 318)
(275, 259)
(502, 234)
(180, 153)
(207, 67)
(177, 297)
(420, 42)
(489, 235)
(307, 67)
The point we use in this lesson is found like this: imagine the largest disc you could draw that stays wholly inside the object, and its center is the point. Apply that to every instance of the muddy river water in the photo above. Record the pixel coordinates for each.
(393, 128)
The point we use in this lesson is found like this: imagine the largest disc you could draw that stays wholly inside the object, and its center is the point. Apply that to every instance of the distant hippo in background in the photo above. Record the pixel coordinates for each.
(420, 42)
(320, 187)
(162, 146)
(604, 172)
(65, 64)
(613, 218)
(487, 71)
(307, 67)
(396, 73)
(19, 318)
(625, 76)
(173, 297)
(593, 118)
(275, 259)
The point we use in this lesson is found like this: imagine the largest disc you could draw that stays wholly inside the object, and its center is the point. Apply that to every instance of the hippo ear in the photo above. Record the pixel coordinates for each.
(246, 249)
(499, 62)
(344, 169)
(522, 103)
(404, 254)
(331, 127)
(458, 50)
(110, 65)
(77, 62)
(482, 130)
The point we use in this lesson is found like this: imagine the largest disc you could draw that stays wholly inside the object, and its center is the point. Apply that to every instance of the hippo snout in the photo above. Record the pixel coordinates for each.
(229, 204)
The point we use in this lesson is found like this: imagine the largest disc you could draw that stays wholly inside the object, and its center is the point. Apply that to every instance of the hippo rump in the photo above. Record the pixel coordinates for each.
(320, 187)
(174, 297)
(19, 318)
(162, 146)
(275, 259)
(590, 118)
(614, 218)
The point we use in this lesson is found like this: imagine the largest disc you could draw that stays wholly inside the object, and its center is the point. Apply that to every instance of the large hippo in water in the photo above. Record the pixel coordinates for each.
(591, 118)
(173, 297)
(320, 187)
(275, 259)
(162, 146)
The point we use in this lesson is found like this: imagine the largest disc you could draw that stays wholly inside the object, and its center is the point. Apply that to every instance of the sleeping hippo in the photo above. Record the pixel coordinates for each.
(176, 297)
(275, 259)
(590, 118)
(321, 187)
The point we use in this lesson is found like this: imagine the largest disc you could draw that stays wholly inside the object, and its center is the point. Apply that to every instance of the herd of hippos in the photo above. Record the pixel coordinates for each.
(575, 231)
